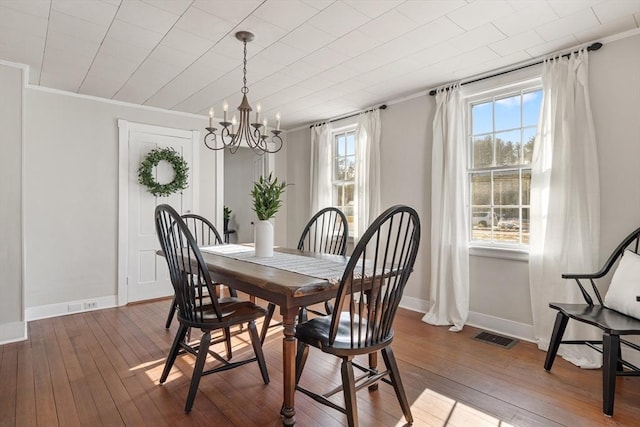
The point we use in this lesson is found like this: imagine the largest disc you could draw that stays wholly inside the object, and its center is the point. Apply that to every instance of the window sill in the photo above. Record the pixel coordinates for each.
(498, 252)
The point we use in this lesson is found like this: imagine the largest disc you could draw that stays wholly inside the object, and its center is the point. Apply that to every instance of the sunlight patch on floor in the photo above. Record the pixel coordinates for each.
(153, 370)
(436, 410)
(240, 344)
(145, 365)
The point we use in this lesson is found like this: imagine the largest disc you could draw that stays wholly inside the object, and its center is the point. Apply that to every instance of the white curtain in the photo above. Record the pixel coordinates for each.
(367, 180)
(321, 156)
(449, 213)
(565, 202)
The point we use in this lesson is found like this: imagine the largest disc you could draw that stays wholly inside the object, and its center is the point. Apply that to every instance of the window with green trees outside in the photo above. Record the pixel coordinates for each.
(344, 174)
(502, 133)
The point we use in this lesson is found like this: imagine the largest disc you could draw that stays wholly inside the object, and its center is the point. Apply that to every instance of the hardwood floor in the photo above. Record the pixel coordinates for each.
(102, 368)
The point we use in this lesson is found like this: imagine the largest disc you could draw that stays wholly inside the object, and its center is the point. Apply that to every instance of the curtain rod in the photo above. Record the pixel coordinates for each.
(382, 107)
(592, 47)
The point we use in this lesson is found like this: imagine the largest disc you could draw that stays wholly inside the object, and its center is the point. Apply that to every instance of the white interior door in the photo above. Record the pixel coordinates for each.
(147, 274)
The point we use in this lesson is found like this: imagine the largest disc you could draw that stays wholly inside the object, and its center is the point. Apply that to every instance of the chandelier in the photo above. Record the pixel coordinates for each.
(234, 132)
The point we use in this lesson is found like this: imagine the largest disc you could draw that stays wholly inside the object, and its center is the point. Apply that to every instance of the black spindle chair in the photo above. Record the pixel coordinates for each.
(614, 325)
(326, 232)
(197, 305)
(361, 323)
(205, 234)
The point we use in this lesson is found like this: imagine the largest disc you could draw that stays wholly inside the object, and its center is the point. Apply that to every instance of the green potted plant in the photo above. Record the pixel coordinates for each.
(266, 195)
(226, 216)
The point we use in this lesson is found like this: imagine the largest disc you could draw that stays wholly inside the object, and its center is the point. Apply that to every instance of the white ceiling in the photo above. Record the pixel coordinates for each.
(311, 59)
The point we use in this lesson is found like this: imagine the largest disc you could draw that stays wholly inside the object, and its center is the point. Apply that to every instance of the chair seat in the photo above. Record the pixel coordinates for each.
(234, 311)
(315, 332)
(604, 318)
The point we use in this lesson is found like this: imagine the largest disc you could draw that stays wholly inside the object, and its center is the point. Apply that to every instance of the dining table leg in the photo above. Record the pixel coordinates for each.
(289, 366)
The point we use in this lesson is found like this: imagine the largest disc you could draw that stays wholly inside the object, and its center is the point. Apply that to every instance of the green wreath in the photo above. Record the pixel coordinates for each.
(180, 168)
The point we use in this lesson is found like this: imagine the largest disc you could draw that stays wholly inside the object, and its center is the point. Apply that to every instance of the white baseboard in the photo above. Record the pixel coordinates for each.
(70, 307)
(510, 328)
(479, 320)
(414, 304)
(13, 332)
(507, 327)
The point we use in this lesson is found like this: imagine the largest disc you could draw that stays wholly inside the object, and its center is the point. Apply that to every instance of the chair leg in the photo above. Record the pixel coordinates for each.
(172, 312)
(610, 350)
(373, 365)
(390, 361)
(556, 337)
(197, 370)
(303, 315)
(232, 292)
(257, 349)
(619, 366)
(227, 342)
(349, 390)
(271, 308)
(173, 353)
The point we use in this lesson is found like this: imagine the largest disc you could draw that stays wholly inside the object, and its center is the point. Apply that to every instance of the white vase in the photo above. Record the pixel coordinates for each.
(263, 237)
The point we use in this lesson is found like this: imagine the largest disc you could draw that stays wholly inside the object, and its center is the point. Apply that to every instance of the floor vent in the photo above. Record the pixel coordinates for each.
(495, 339)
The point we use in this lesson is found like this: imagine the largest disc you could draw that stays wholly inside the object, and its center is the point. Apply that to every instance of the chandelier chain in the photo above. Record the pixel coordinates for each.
(245, 89)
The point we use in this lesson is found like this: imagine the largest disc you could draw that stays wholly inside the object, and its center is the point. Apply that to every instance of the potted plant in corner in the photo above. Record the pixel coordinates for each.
(226, 216)
(266, 194)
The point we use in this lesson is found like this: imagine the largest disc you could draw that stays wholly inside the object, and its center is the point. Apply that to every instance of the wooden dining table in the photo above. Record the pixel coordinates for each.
(288, 290)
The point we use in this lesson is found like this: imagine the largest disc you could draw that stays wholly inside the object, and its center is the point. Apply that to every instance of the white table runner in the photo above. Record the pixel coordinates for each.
(321, 268)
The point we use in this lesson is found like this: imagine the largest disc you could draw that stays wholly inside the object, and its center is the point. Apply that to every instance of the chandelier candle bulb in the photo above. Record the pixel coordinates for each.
(211, 118)
(225, 107)
(258, 107)
(264, 124)
(233, 125)
(278, 121)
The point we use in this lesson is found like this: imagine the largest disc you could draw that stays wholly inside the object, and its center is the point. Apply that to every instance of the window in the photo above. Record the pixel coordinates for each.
(501, 134)
(344, 174)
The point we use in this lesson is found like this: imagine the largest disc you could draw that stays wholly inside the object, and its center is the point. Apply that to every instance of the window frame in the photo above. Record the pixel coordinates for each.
(494, 248)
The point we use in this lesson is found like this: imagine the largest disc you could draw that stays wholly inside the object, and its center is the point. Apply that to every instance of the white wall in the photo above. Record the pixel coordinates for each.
(405, 149)
(615, 100)
(71, 193)
(298, 194)
(499, 288)
(280, 167)
(12, 322)
(238, 182)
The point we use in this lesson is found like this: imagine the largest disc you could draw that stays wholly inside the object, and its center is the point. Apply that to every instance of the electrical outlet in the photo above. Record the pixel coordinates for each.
(90, 305)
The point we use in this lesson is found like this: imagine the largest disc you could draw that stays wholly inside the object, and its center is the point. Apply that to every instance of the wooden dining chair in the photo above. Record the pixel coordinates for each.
(361, 323)
(326, 232)
(205, 234)
(198, 308)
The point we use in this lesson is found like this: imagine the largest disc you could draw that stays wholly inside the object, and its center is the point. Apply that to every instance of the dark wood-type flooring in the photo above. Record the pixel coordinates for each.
(102, 368)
